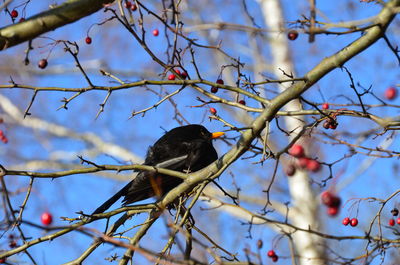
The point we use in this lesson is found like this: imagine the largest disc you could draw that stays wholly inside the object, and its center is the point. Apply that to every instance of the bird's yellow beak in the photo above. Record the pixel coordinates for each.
(215, 135)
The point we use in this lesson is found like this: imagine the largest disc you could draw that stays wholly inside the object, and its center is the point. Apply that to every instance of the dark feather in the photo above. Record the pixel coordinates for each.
(186, 148)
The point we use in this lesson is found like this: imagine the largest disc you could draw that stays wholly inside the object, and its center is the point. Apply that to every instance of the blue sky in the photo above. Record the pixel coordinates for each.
(119, 53)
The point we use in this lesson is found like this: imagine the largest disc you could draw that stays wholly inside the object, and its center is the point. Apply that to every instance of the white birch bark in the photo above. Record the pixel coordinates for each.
(305, 202)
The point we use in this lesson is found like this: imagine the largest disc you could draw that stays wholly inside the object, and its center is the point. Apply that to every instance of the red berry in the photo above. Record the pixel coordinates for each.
(391, 93)
(313, 165)
(354, 222)
(333, 125)
(391, 222)
(293, 34)
(22, 19)
(330, 199)
(133, 7)
(274, 258)
(220, 81)
(332, 211)
(213, 111)
(336, 201)
(214, 89)
(128, 4)
(12, 244)
(4, 139)
(14, 13)
(290, 170)
(88, 40)
(326, 197)
(271, 253)
(346, 221)
(177, 71)
(46, 218)
(325, 106)
(398, 220)
(171, 77)
(302, 162)
(155, 32)
(242, 102)
(3, 260)
(296, 150)
(42, 63)
(184, 75)
(1, 133)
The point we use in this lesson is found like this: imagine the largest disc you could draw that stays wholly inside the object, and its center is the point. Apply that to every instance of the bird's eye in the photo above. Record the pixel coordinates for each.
(203, 133)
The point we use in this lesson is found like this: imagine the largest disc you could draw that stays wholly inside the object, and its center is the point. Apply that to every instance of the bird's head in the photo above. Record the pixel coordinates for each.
(196, 131)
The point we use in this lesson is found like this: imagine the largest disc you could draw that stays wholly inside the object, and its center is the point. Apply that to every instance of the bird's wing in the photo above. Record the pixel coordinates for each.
(147, 184)
(139, 187)
(173, 163)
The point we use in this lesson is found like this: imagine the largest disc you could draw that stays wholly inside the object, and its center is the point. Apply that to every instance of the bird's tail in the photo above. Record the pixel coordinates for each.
(113, 199)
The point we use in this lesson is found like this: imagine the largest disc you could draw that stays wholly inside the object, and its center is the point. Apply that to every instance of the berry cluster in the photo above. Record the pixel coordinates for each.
(394, 212)
(215, 89)
(353, 222)
(331, 121)
(129, 5)
(271, 254)
(182, 74)
(330, 124)
(332, 201)
(12, 243)
(302, 161)
(46, 219)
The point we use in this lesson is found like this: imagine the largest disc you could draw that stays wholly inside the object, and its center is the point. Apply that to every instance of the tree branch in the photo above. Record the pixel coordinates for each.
(66, 13)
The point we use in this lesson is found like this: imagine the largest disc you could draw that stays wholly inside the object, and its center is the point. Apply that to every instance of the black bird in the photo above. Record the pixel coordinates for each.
(185, 148)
